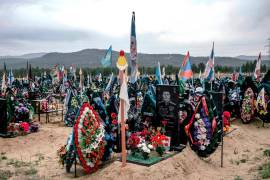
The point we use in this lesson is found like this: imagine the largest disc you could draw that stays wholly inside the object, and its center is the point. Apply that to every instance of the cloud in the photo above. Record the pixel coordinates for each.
(237, 26)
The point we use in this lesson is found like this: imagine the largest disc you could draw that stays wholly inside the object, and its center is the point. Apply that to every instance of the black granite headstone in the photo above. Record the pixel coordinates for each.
(3, 116)
(167, 111)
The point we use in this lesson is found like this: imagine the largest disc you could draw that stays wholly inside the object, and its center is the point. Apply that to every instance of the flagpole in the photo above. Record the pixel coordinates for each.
(122, 66)
(123, 130)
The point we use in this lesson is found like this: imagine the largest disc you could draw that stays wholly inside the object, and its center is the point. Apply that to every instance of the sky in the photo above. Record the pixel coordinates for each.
(238, 27)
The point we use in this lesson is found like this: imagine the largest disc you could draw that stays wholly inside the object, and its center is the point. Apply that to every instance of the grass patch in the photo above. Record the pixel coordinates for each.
(237, 178)
(17, 163)
(40, 156)
(5, 174)
(265, 171)
(31, 171)
(3, 156)
(266, 152)
(243, 160)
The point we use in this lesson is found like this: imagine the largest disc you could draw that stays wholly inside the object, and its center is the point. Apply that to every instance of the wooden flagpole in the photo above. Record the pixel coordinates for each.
(123, 127)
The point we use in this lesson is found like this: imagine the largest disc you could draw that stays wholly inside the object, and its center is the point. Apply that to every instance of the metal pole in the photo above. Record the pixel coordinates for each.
(222, 132)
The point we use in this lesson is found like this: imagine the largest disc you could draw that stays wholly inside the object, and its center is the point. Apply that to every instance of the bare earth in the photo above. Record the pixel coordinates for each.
(34, 157)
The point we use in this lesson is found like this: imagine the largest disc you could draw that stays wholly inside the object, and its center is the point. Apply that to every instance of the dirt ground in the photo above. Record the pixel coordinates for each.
(34, 157)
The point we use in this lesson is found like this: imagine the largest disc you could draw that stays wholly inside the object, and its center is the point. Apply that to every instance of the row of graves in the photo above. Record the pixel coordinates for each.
(160, 119)
(23, 99)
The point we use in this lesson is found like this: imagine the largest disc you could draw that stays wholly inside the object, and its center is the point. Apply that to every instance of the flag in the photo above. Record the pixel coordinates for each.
(124, 96)
(81, 78)
(133, 51)
(218, 75)
(4, 86)
(257, 72)
(99, 77)
(158, 74)
(133, 41)
(5, 67)
(72, 70)
(209, 73)
(29, 73)
(109, 83)
(200, 74)
(234, 76)
(163, 72)
(261, 100)
(186, 71)
(106, 61)
(88, 80)
(10, 77)
(240, 75)
(27, 70)
(240, 70)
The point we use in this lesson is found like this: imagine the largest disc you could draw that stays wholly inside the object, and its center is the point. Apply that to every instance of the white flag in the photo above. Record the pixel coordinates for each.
(123, 96)
(257, 72)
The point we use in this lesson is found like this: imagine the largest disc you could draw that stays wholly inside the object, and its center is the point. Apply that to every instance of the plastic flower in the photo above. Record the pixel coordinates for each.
(113, 115)
(114, 122)
(150, 146)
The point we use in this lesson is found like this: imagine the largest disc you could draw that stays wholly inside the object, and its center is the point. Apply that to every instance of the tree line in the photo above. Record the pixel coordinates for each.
(169, 69)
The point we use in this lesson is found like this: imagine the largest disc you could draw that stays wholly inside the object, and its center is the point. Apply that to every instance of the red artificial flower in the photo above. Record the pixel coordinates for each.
(138, 104)
(113, 115)
(85, 123)
(164, 122)
(114, 122)
(158, 140)
(24, 126)
(83, 131)
(133, 140)
(144, 132)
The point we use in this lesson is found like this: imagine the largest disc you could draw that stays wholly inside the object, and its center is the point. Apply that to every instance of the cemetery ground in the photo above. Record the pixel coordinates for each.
(34, 156)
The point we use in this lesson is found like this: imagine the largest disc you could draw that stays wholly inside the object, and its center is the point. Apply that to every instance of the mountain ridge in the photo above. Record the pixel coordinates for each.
(92, 57)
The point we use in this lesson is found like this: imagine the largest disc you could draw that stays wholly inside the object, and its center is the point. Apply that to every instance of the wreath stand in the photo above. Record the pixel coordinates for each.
(218, 102)
(75, 166)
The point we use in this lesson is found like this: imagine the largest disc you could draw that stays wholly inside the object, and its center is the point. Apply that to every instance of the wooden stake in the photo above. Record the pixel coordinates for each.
(123, 127)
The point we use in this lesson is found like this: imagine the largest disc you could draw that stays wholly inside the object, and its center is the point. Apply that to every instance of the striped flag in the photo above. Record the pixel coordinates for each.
(257, 72)
(209, 73)
(186, 71)
(133, 51)
(106, 61)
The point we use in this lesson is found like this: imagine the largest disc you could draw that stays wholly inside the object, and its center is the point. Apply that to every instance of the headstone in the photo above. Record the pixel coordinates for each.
(167, 111)
(3, 116)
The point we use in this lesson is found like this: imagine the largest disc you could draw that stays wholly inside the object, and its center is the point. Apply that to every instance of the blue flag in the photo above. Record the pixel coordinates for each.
(133, 41)
(209, 73)
(106, 61)
(10, 77)
(133, 51)
(158, 74)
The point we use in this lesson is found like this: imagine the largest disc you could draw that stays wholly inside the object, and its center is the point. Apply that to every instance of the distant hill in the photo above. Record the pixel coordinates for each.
(26, 56)
(243, 57)
(92, 57)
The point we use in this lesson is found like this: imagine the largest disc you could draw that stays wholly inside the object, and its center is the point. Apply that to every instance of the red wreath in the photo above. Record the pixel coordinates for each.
(93, 155)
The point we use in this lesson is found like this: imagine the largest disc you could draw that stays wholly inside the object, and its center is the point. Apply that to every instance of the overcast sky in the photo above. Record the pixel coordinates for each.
(163, 26)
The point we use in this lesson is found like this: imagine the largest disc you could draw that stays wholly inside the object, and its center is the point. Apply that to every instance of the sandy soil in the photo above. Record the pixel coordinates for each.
(34, 157)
